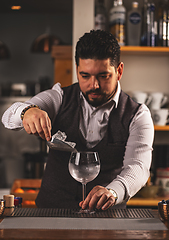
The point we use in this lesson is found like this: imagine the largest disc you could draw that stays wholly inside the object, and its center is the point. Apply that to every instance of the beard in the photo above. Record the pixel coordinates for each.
(95, 102)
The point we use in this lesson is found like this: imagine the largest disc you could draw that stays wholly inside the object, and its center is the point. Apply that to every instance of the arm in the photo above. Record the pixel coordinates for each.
(137, 161)
(138, 156)
(48, 101)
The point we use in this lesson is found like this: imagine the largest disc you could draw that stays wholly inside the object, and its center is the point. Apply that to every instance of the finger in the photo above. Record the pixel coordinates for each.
(49, 123)
(38, 131)
(81, 203)
(34, 128)
(27, 128)
(30, 128)
(49, 128)
(108, 204)
(103, 199)
(98, 199)
(46, 127)
(89, 197)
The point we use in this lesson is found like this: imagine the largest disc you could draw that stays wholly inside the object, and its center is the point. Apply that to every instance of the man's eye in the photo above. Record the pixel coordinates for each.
(105, 77)
(85, 76)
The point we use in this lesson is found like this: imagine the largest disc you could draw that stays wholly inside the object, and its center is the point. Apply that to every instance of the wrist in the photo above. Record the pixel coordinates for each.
(27, 108)
(114, 194)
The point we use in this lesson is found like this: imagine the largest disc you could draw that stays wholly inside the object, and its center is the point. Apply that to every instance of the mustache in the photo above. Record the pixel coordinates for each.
(97, 91)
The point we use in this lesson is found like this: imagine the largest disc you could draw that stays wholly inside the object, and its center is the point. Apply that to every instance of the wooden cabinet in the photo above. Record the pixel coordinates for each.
(62, 56)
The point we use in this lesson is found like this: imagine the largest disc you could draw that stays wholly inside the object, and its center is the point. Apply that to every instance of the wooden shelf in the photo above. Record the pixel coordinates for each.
(161, 128)
(142, 202)
(144, 50)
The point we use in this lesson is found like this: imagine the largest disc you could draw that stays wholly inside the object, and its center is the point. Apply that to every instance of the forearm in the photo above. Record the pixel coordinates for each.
(48, 101)
(131, 179)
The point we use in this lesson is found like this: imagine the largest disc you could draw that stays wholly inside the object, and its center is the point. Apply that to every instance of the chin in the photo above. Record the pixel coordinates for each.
(95, 104)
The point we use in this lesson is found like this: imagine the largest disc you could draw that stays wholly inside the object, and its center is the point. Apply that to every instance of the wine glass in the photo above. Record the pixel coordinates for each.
(84, 167)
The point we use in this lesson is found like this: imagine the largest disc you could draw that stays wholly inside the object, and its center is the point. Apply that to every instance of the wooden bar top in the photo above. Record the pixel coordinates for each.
(26, 234)
(48, 234)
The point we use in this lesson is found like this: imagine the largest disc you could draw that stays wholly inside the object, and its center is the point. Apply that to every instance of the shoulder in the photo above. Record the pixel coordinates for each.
(73, 87)
(143, 119)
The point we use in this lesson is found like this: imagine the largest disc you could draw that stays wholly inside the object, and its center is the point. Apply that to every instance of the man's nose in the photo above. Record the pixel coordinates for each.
(94, 82)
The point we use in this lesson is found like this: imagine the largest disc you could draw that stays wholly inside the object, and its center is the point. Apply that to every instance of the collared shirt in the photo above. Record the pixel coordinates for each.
(93, 122)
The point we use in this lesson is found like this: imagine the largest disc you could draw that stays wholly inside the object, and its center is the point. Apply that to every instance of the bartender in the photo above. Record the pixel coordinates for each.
(98, 116)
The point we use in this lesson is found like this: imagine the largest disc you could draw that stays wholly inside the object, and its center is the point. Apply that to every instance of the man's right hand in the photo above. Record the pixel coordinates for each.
(37, 122)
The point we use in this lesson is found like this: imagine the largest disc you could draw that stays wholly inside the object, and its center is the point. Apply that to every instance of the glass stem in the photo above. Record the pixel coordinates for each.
(84, 190)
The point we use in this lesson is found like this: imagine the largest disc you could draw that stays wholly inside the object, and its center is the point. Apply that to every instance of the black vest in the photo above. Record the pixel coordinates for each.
(58, 188)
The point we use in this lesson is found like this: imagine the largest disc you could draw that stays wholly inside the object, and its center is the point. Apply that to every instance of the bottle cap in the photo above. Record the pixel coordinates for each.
(119, 2)
(16, 201)
(135, 4)
(19, 199)
(9, 200)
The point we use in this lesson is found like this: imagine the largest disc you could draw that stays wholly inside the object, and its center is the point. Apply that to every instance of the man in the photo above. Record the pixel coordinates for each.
(96, 115)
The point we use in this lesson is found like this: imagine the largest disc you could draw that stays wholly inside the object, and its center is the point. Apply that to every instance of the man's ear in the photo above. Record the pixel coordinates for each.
(120, 70)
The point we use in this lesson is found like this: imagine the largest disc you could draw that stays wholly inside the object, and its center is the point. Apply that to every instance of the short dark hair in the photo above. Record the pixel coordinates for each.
(98, 44)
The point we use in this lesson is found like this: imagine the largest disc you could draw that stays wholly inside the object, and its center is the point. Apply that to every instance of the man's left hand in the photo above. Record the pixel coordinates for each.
(99, 197)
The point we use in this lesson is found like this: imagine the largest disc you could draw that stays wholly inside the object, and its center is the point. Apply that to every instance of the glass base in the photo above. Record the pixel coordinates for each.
(85, 211)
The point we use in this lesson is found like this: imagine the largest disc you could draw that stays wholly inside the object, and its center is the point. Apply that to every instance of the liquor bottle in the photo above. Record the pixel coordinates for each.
(117, 22)
(168, 24)
(165, 24)
(144, 24)
(151, 29)
(149, 26)
(100, 16)
(160, 23)
(112, 12)
(134, 25)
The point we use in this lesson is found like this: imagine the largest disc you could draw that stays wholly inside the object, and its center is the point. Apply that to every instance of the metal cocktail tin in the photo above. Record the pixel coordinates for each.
(2, 206)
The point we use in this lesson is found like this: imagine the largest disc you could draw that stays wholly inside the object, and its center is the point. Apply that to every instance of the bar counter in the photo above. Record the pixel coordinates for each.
(42, 234)
(81, 234)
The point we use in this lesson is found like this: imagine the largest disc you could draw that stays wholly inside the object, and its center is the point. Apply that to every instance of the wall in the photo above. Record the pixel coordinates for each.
(18, 31)
(83, 21)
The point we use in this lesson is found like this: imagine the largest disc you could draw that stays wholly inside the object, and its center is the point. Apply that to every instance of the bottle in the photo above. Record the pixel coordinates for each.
(168, 24)
(149, 30)
(118, 21)
(152, 25)
(134, 25)
(112, 12)
(160, 23)
(144, 24)
(100, 16)
(165, 24)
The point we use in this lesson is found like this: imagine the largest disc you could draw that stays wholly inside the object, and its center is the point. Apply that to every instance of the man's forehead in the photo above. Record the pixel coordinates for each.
(89, 61)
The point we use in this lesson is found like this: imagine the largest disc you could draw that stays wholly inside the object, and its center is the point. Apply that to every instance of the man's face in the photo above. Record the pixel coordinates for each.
(98, 80)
